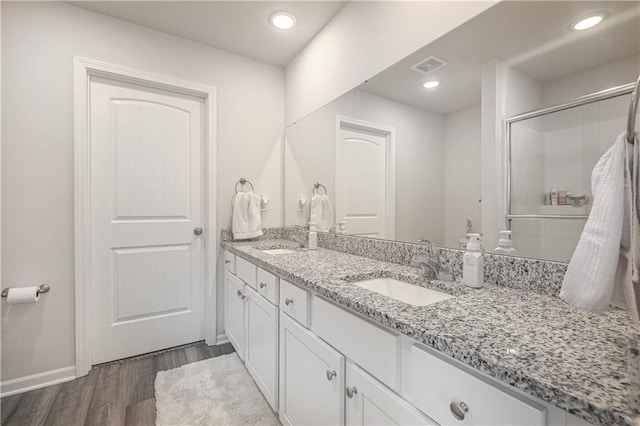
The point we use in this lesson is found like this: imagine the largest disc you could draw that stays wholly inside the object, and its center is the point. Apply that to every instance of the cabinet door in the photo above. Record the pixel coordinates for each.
(261, 350)
(311, 378)
(234, 306)
(369, 402)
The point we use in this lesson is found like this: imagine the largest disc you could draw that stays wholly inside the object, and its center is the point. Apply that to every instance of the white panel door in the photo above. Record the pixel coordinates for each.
(311, 378)
(147, 264)
(361, 182)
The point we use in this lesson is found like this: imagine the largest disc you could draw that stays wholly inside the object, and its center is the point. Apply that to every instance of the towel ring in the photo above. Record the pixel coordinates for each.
(243, 182)
(319, 185)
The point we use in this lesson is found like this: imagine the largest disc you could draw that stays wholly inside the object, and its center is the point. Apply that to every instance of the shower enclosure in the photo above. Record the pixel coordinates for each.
(550, 155)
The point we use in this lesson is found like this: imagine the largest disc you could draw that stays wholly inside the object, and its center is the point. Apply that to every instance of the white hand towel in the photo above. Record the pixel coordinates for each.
(246, 221)
(321, 212)
(591, 276)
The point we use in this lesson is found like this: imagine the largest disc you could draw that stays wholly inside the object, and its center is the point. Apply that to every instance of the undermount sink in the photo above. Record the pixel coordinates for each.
(278, 251)
(404, 292)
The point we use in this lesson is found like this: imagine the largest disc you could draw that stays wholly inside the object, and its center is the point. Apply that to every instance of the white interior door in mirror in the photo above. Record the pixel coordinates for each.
(146, 183)
(365, 178)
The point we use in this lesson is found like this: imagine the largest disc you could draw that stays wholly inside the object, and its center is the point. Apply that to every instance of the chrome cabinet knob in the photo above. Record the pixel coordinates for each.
(197, 231)
(227, 261)
(458, 410)
(331, 374)
(288, 301)
(351, 392)
(263, 285)
(241, 294)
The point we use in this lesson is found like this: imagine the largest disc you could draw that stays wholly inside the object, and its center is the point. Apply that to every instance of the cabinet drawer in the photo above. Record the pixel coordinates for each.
(295, 302)
(230, 262)
(433, 385)
(268, 286)
(371, 347)
(246, 271)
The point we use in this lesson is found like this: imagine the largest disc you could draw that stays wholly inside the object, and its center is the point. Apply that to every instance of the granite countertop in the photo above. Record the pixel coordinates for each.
(575, 360)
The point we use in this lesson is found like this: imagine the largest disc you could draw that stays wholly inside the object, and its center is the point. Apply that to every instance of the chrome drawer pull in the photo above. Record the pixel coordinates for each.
(227, 261)
(241, 294)
(263, 285)
(351, 392)
(288, 301)
(458, 409)
(331, 374)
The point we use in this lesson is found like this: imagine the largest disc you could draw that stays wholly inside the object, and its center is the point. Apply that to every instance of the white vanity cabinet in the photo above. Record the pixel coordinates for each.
(311, 378)
(251, 321)
(369, 403)
(234, 305)
(319, 363)
(261, 350)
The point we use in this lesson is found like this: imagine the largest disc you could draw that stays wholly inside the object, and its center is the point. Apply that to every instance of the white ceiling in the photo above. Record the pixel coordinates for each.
(532, 36)
(241, 27)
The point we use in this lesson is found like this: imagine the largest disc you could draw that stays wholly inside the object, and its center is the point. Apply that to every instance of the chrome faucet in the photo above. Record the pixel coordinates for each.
(429, 264)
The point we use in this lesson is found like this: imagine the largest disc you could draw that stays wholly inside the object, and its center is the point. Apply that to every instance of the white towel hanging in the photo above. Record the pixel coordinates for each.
(321, 212)
(604, 258)
(246, 220)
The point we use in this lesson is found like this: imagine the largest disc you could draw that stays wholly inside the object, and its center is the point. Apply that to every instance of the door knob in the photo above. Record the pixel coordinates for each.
(197, 231)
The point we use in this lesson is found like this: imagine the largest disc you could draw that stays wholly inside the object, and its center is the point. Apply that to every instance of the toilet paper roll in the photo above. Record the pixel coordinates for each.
(18, 295)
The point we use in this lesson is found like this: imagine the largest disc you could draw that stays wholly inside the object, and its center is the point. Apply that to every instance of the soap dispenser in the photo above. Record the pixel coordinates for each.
(505, 245)
(472, 271)
(313, 236)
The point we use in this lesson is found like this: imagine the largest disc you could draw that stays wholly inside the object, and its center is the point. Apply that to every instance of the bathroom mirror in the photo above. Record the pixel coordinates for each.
(404, 161)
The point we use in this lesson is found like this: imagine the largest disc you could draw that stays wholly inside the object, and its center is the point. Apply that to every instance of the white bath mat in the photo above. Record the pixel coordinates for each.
(216, 391)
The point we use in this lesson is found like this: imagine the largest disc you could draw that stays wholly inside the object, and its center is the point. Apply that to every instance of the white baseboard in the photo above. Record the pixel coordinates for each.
(37, 381)
(221, 339)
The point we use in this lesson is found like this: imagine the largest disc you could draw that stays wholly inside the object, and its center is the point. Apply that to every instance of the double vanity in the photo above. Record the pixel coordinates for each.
(333, 338)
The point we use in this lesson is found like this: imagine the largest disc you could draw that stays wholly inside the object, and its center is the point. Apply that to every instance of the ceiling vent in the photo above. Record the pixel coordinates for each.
(429, 65)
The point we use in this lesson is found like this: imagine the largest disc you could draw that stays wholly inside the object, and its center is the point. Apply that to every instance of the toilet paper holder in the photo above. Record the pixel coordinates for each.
(42, 288)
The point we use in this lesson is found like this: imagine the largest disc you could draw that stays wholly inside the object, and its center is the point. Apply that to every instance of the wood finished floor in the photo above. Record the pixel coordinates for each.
(117, 393)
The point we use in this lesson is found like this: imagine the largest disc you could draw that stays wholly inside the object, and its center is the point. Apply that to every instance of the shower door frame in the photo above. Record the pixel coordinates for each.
(602, 95)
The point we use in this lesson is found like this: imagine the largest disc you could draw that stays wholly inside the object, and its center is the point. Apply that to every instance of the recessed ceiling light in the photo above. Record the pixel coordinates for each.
(588, 21)
(431, 84)
(283, 20)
